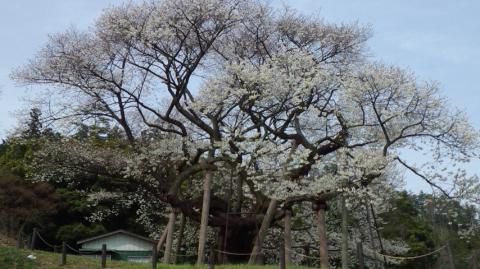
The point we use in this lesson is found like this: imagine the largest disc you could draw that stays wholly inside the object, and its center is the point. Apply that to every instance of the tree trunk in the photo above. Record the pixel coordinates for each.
(320, 208)
(288, 236)
(239, 240)
(207, 186)
(171, 230)
(267, 219)
(180, 237)
(344, 233)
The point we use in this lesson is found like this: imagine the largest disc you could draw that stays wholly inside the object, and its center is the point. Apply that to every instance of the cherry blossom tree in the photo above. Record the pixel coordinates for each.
(214, 96)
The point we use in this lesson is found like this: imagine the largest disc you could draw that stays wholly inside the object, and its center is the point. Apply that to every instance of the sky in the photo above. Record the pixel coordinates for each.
(437, 39)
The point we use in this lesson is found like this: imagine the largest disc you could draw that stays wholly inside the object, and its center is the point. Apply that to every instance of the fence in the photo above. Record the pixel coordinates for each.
(362, 253)
(63, 248)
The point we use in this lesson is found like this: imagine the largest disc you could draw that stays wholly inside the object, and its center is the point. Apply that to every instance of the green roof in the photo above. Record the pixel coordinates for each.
(114, 233)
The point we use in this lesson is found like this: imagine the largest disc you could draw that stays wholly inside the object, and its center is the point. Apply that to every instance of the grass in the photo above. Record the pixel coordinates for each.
(12, 258)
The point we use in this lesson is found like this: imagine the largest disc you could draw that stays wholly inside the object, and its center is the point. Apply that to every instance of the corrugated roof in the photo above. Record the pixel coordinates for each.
(114, 233)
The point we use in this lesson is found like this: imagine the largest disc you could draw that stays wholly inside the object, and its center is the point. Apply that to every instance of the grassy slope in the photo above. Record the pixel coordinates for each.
(11, 258)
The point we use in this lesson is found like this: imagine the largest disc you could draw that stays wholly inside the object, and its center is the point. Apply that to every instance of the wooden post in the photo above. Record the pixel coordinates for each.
(288, 235)
(202, 237)
(371, 238)
(34, 239)
(180, 237)
(154, 257)
(64, 254)
(344, 233)
(360, 258)
(307, 253)
(450, 256)
(104, 256)
(20, 236)
(320, 207)
(211, 259)
(171, 230)
(282, 256)
(161, 241)
(28, 242)
(382, 249)
(19, 240)
(220, 257)
(267, 220)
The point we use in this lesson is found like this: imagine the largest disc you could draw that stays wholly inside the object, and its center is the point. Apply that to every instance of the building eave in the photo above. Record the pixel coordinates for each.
(114, 233)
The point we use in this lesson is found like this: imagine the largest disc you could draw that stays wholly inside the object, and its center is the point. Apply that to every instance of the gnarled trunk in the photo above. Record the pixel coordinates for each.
(238, 241)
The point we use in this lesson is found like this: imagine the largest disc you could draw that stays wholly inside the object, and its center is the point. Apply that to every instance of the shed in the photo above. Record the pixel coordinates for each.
(121, 245)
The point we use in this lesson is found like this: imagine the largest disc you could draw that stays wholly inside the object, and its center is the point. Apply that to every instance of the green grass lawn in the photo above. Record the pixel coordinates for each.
(12, 258)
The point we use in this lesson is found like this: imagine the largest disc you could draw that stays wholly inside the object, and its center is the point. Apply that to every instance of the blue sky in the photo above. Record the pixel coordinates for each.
(438, 39)
(24, 29)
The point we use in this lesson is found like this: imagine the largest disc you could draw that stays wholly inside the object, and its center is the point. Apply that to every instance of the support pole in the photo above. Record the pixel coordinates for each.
(162, 239)
(34, 239)
(211, 259)
(288, 235)
(474, 260)
(171, 230)
(282, 257)
(154, 257)
(307, 253)
(343, 207)
(207, 188)
(64, 254)
(451, 262)
(104, 256)
(19, 241)
(267, 219)
(360, 258)
(320, 208)
(180, 238)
